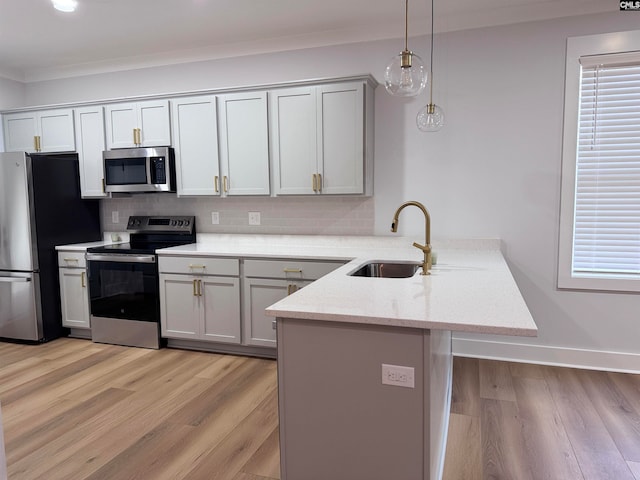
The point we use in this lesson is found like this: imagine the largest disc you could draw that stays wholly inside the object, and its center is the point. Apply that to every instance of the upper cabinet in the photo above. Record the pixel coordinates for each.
(195, 140)
(244, 143)
(141, 124)
(321, 139)
(45, 131)
(90, 145)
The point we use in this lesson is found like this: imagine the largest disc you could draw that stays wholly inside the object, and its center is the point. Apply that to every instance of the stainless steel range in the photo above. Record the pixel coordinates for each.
(123, 281)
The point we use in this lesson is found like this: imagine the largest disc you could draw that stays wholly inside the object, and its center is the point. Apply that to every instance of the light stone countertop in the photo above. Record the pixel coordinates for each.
(106, 240)
(471, 288)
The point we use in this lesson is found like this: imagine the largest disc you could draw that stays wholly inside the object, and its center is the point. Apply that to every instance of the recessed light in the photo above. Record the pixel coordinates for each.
(65, 5)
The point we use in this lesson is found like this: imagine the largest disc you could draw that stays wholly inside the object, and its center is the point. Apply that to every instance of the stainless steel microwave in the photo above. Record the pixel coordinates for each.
(137, 170)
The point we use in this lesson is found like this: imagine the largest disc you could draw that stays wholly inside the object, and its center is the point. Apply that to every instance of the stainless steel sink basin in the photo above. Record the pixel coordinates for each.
(387, 270)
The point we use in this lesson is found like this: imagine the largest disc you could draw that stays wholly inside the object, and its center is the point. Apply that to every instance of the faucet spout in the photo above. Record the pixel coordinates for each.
(426, 248)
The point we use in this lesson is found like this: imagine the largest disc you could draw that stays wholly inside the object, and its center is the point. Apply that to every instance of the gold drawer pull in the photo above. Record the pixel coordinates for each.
(197, 266)
(83, 283)
(292, 270)
(71, 260)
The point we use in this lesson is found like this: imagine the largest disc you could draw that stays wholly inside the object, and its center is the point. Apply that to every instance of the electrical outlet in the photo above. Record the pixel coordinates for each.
(115, 217)
(215, 218)
(398, 376)
(254, 218)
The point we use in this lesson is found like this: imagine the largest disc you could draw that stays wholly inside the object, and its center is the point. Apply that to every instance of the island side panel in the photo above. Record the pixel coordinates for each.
(438, 395)
(337, 420)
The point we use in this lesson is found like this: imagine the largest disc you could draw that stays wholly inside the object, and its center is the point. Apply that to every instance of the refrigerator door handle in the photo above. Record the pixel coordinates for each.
(14, 279)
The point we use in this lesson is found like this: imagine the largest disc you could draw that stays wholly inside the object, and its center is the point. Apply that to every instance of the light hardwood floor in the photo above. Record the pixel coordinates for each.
(77, 410)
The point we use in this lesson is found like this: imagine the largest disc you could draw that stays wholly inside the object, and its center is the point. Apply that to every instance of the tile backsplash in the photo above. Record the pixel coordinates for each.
(314, 215)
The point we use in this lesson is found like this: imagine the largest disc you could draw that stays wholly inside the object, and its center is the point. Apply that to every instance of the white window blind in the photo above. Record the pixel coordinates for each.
(606, 234)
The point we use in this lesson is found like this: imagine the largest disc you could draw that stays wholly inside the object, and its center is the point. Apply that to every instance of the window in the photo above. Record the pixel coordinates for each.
(600, 202)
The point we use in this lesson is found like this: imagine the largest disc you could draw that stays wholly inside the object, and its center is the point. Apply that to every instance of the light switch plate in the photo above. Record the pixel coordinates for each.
(115, 217)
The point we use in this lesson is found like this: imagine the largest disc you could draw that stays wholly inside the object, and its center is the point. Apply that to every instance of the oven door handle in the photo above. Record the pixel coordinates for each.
(122, 258)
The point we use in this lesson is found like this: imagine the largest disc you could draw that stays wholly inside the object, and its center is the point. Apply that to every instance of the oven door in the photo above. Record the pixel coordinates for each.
(124, 299)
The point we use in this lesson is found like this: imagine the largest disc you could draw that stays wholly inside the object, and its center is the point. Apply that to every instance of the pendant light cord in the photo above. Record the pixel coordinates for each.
(431, 59)
(406, 25)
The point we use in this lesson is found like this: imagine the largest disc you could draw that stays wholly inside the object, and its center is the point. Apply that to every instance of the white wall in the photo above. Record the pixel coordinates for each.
(12, 94)
(494, 171)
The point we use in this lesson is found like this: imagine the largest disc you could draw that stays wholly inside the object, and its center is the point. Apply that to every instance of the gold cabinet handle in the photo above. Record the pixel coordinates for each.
(291, 289)
(195, 288)
(319, 182)
(103, 187)
(71, 260)
(135, 136)
(225, 183)
(314, 182)
(82, 280)
(292, 270)
(215, 182)
(199, 288)
(192, 266)
(36, 143)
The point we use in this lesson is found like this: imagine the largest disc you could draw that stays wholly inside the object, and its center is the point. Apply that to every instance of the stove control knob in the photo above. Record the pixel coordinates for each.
(180, 222)
(137, 222)
(186, 223)
(173, 223)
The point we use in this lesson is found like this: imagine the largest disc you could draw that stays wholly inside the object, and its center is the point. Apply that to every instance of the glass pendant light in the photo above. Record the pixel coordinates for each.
(405, 75)
(430, 118)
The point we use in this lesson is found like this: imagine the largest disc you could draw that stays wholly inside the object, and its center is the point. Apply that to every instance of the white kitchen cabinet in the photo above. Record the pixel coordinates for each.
(195, 140)
(45, 131)
(141, 124)
(267, 281)
(319, 139)
(90, 145)
(202, 300)
(244, 143)
(74, 295)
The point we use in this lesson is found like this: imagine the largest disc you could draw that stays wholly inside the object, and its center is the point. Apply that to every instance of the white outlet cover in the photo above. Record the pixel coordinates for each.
(215, 218)
(115, 217)
(398, 375)
(254, 218)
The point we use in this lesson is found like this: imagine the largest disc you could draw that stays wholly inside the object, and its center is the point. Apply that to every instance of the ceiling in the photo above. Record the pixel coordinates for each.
(38, 42)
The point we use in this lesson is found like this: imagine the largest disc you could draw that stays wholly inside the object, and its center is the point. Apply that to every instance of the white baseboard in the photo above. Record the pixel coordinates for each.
(545, 355)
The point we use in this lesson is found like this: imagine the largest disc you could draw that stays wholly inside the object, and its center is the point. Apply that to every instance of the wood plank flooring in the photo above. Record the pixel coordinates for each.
(76, 410)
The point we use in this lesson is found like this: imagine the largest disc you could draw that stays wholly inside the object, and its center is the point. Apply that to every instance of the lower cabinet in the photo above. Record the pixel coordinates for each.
(267, 281)
(200, 298)
(74, 297)
(258, 294)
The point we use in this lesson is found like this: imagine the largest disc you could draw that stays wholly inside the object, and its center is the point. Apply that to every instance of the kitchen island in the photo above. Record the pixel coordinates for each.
(364, 364)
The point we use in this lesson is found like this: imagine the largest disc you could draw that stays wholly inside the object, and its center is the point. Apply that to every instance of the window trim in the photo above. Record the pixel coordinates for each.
(577, 47)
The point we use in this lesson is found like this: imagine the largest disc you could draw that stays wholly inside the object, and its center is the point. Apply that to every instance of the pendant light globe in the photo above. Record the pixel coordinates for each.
(430, 118)
(406, 75)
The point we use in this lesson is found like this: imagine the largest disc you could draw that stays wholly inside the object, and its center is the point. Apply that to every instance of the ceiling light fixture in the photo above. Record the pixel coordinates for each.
(430, 118)
(405, 75)
(65, 5)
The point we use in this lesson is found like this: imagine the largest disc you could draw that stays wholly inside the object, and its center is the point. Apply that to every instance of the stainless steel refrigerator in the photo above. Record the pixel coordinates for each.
(40, 207)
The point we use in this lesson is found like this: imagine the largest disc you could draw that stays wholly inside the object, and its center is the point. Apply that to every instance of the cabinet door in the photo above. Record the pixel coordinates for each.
(259, 293)
(195, 137)
(55, 128)
(179, 307)
(74, 298)
(121, 121)
(293, 140)
(341, 137)
(153, 122)
(244, 143)
(19, 132)
(90, 145)
(221, 308)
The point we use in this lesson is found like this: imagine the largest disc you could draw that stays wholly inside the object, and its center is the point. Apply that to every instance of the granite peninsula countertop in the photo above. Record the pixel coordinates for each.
(470, 289)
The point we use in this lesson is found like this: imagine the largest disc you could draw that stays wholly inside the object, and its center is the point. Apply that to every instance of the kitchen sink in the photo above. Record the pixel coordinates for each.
(387, 270)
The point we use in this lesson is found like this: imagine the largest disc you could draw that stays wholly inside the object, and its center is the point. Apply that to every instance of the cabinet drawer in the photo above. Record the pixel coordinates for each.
(199, 265)
(288, 269)
(72, 259)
